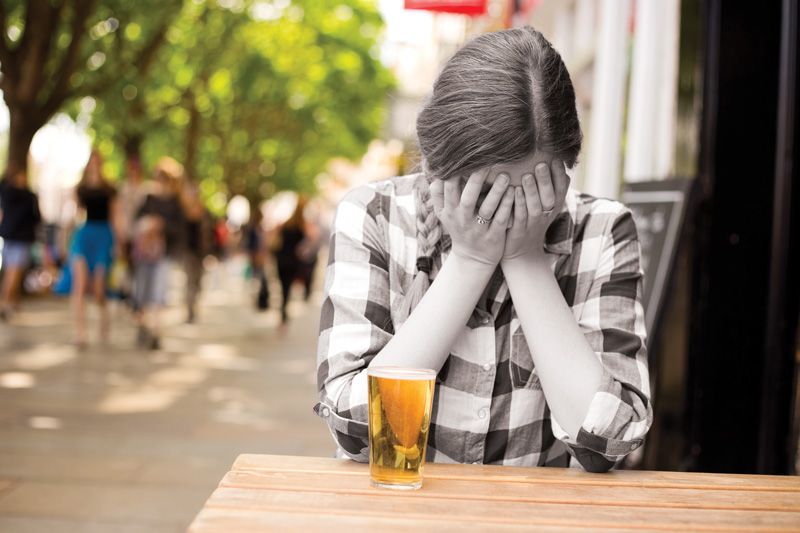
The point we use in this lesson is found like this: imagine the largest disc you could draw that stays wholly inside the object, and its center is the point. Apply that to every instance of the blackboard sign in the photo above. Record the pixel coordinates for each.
(658, 209)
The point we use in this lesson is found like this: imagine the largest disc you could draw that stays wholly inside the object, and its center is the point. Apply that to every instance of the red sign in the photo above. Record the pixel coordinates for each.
(463, 7)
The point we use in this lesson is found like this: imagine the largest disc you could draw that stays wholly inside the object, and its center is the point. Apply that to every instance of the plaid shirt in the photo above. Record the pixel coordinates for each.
(489, 406)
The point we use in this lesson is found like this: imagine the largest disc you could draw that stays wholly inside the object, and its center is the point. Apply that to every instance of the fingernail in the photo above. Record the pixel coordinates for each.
(503, 178)
(527, 178)
(540, 168)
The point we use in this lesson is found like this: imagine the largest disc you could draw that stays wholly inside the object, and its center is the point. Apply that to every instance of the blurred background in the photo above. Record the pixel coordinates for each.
(214, 138)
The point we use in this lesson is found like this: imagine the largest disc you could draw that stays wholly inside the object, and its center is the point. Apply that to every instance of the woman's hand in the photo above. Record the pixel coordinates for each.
(536, 204)
(460, 216)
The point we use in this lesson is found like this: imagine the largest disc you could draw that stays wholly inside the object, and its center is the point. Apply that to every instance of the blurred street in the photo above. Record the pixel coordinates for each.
(119, 439)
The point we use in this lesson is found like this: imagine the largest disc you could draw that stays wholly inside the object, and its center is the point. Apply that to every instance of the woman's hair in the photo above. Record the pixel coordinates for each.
(297, 220)
(500, 98)
(95, 163)
(170, 172)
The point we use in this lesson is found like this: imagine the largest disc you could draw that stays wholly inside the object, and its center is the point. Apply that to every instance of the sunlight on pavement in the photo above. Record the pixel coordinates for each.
(138, 401)
(220, 357)
(45, 422)
(17, 380)
(159, 391)
(43, 356)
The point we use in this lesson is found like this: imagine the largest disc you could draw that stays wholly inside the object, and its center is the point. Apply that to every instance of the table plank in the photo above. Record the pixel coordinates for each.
(279, 492)
(530, 491)
(222, 520)
(378, 504)
(638, 478)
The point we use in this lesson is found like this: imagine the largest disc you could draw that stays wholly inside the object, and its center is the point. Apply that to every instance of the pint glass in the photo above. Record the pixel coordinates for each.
(399, 419)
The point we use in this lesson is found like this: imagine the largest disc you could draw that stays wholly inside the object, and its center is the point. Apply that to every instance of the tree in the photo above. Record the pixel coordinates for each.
(49, 50)
(162, 96)
(256, 97)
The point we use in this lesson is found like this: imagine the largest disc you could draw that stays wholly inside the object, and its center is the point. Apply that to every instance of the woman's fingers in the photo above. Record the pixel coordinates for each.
(503, 213)
(495, 196)
(532, 202)
(472, 190)
(437, 195)
(452, 193)
(560, 179)
(544, 183)
(520, 209)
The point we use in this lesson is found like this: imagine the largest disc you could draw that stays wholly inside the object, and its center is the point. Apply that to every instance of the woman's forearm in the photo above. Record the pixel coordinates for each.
(568, 368)
(425, 339)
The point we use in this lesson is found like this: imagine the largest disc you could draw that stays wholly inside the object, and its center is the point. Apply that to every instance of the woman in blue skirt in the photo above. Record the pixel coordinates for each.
(92, 250)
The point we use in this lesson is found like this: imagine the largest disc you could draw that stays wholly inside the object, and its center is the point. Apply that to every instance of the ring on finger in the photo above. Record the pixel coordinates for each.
(482, 220)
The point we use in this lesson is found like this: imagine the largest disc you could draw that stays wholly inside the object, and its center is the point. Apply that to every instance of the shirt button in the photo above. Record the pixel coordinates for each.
(488, 366)
(485, 321)
(325, 412)
(482, 413)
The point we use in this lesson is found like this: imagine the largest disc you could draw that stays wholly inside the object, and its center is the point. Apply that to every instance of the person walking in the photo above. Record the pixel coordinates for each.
(158, 241)
(290, 265)
(197, 245)
(130, 196)
(19, 217)
(523, 295)
(309, 248)
(255, 245)
(92, 250)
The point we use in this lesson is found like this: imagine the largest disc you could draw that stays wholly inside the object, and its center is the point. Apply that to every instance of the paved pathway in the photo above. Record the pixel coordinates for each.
(116, 439)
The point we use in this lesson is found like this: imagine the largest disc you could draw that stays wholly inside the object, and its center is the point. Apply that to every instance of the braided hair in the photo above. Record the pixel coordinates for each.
(429, 235)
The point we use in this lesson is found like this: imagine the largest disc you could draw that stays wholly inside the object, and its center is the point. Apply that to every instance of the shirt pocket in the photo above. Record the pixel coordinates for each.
(520, 364)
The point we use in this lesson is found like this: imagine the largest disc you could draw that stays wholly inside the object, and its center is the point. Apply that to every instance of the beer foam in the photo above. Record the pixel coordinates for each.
(398, 372)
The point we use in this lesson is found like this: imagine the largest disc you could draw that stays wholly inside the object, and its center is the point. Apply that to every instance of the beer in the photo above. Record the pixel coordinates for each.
(399, 419)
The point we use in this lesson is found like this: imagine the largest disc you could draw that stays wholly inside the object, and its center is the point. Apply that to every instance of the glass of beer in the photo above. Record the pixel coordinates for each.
(399, 419)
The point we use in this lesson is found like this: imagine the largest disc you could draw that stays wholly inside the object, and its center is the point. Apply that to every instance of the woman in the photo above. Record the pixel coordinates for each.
(290, 235)
(524, 295)
(158, 241)
(254, 243)
(91, 253)
(19, 216)
(197, 245)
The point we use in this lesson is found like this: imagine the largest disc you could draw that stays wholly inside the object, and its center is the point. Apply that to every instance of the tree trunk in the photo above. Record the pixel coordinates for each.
(192, 139)
(22, 127)
(133, 147)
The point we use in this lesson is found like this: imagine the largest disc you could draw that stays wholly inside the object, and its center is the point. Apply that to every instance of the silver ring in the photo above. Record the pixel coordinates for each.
(482, 220)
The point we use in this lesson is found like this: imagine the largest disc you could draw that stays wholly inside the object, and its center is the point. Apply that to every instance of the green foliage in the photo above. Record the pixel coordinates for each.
(257, 96)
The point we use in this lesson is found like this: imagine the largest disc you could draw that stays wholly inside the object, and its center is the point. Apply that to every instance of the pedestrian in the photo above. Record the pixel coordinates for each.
(256, 253)
(308, 251)
(197, 245)
(130, 198)
(19, 217)
(158, 242)
(289, 235)
(92, 248)
(221, 237)
(521, 293)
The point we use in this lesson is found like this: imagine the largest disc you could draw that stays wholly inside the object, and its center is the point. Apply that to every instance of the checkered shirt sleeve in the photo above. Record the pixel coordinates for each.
(612, 320)
(355, 322)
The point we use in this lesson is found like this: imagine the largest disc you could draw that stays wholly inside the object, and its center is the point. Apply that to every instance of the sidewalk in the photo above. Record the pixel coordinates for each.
(117, 439)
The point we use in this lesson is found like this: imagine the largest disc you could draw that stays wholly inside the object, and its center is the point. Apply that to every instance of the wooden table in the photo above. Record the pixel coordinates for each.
(269, 492)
